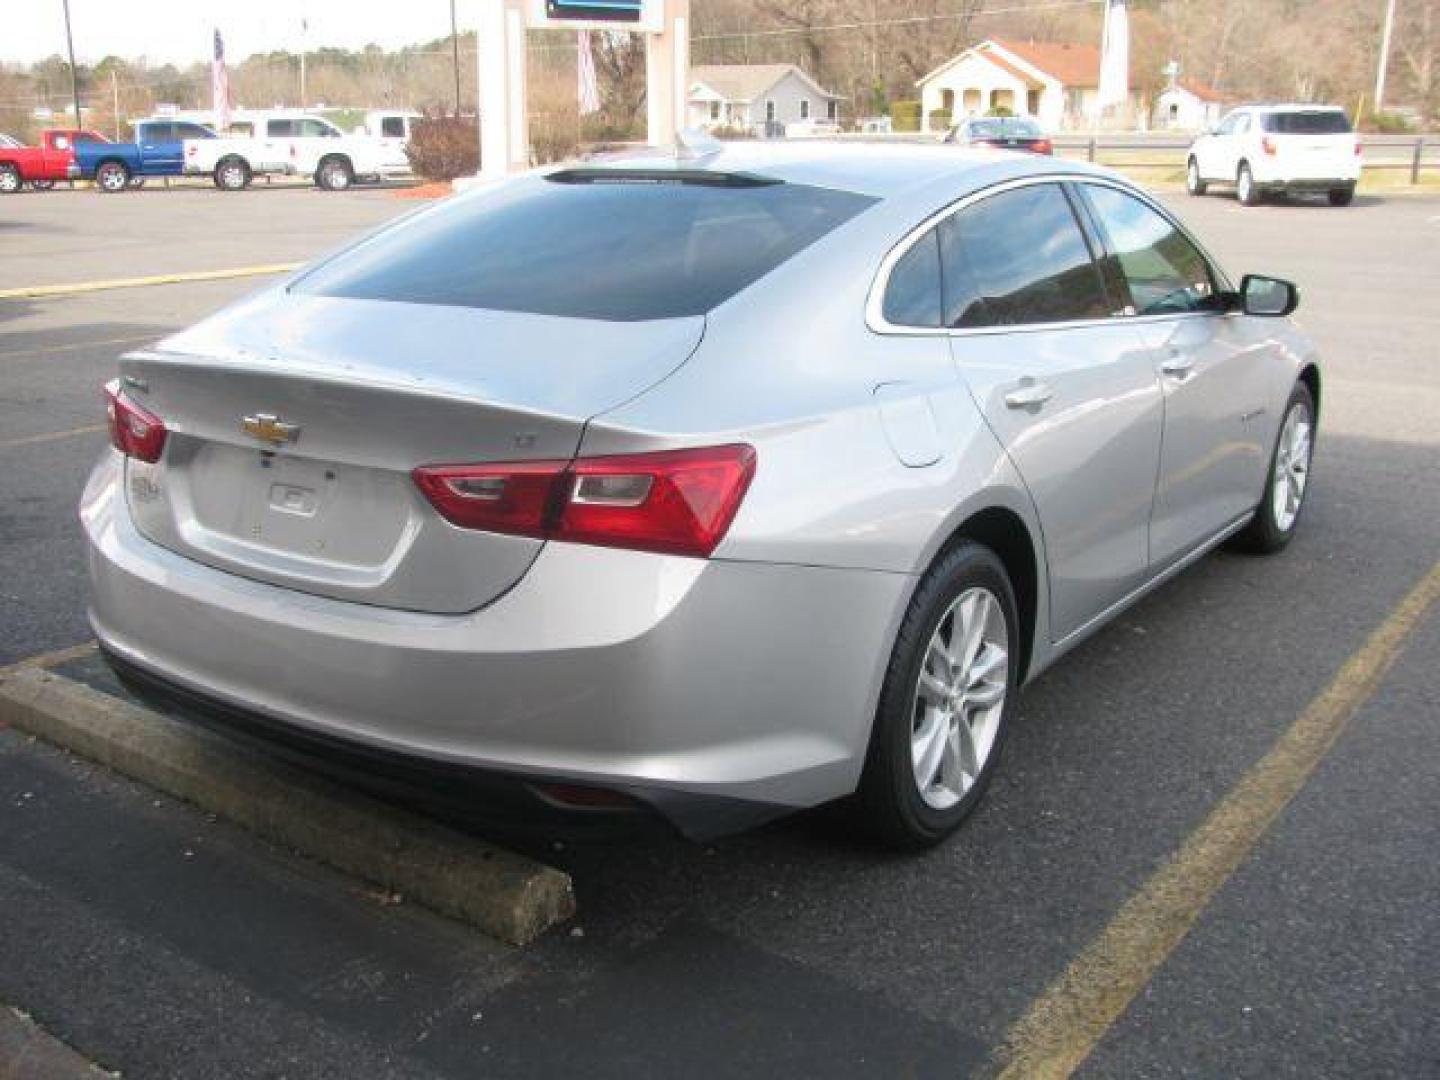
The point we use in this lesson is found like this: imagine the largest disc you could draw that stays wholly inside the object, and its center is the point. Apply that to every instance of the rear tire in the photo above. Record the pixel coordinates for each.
(334, 174)
(1342, 196)
(944, 711)
(1193, 184)
(232, 174)
(1278, 515)
(10, 182)
(1245, 189)
(111, 178)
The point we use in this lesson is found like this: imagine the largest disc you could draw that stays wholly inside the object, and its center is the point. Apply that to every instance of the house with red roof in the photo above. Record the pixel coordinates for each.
(1188, 105)
(1055, 82)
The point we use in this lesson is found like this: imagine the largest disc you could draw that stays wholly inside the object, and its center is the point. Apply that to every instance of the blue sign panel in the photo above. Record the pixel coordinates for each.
(593, 10)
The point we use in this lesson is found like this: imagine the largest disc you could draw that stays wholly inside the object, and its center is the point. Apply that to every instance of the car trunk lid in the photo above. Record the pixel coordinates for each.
(295, 422)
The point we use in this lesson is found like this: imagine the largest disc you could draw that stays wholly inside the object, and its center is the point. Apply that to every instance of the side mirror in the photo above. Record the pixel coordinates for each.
(1267, 296)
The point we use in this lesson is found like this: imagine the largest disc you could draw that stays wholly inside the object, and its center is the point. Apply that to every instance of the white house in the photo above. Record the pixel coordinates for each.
(1187, 105)
(1056, 82)
(752, 96)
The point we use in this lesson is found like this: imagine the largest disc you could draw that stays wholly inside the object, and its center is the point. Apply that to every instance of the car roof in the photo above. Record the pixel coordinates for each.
(882, 169)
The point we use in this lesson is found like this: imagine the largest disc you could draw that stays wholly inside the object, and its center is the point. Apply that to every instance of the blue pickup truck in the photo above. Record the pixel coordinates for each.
(158, 150)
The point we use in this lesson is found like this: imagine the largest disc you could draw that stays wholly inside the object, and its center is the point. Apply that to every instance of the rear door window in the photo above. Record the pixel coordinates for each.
(592, 244)
(392, 127)
(1307, 122)
(315, 129)
(279, 129)
(1019, 257)
(1164, 272)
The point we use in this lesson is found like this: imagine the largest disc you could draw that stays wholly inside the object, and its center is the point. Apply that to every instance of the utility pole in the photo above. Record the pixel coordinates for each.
(74, 75)
(455, 54)
(115, 99)
(1384, 55)
(304, 27)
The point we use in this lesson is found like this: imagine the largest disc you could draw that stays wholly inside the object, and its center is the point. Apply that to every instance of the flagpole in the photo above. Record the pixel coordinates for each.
(1100, 75)
(74, 75)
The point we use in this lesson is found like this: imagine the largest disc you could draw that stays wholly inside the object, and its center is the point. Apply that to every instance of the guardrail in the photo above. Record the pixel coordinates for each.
(1394, 152)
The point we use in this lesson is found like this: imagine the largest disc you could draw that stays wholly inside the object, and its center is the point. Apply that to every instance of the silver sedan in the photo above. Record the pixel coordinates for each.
(707, 487)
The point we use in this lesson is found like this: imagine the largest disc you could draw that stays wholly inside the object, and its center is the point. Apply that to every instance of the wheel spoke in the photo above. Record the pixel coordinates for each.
(973, 615)
(927, 747)
(934, 689)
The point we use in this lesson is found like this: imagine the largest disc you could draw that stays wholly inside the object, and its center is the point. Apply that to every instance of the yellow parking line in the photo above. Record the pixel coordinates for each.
(1063, 1025)
(50, 436)
(154, 279)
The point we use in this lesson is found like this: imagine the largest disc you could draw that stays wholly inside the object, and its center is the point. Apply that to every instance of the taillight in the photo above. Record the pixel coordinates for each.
(1043, 146)
(1357, 148)
(190, 151)
(679, 502)
(1268, 145)
(134, 431)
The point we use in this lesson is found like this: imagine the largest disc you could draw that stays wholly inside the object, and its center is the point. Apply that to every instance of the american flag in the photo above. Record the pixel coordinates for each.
(220, 86)
(589, 86)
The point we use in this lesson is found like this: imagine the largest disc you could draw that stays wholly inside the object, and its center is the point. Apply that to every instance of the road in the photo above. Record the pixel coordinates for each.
(160, 943)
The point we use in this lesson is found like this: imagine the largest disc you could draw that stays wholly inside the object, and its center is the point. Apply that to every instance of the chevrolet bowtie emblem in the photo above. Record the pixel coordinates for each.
(267, 427)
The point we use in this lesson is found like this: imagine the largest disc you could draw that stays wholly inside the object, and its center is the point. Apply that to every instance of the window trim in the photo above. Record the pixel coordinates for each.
(876, 322)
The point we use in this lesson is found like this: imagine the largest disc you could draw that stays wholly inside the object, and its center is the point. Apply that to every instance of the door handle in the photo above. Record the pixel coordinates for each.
(1178, 364)
(1029, 395)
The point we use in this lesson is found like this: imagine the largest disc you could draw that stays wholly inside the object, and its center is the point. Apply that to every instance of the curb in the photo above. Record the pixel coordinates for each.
(29, 1052)
(30, 291)
(506, 895)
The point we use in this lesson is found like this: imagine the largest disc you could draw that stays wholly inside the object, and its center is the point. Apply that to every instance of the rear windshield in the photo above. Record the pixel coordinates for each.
(1317, 122)
(1005, 128)
(620, 251)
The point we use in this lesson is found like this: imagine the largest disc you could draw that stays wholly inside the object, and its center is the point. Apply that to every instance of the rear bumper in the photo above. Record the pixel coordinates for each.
(693, 686)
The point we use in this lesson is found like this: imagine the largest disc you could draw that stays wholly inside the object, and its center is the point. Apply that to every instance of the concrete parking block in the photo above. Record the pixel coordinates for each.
(504, 894)
(29, 1053)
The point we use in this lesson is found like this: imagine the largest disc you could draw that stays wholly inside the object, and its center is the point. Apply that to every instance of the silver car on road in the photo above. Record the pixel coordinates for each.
(709, 487)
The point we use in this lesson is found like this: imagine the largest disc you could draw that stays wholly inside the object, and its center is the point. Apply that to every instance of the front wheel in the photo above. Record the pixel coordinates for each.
(1278, 514)
(10, 182)
(112, 177)
(1245, 189)
(1193, 184)
(944, 710)
(1342, 196)
(334, 174)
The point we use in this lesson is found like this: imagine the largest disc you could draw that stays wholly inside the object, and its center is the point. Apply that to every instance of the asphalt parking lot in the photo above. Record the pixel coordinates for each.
(158, 942)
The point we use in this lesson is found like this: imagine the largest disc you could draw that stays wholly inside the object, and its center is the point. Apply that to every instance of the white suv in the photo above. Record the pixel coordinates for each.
(1278, 148)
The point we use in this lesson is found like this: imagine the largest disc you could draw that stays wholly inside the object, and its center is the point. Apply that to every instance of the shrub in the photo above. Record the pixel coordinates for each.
(1390, 123)
(905, 115)
(1001, 110)
(444, 146)
(940, 119)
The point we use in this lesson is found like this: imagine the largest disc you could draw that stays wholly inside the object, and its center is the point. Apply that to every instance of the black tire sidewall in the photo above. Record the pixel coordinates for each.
(890, 800)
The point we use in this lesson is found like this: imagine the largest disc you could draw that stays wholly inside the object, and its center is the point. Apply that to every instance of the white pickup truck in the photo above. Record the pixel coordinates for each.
(1278, 148)
(293, 143)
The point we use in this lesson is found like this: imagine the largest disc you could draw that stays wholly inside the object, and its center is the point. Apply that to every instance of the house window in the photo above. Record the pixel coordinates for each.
(770, 110)
(714, 110)
(804, 108)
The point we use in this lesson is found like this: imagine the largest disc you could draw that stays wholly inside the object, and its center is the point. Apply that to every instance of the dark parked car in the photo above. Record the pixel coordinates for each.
(1004, 132)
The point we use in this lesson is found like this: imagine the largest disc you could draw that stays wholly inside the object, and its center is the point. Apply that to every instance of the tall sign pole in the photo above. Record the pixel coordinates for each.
(667, 74)
(1384, 57)
(455, 55)
(74, 74)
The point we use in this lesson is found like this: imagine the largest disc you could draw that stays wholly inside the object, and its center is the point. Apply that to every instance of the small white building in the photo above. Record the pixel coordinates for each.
(1187, 105)
(761, 98)
(1055, 82)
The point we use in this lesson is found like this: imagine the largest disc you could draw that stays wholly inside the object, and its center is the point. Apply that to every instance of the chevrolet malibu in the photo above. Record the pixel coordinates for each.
(704, 487)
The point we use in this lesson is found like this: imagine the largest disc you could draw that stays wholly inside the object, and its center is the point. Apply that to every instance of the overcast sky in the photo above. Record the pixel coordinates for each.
(179, 31)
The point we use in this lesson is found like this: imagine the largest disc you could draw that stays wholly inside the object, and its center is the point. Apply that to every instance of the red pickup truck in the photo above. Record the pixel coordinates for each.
(40, 166)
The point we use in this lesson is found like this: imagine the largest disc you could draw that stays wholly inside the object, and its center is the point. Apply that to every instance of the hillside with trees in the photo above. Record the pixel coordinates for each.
(870, 51)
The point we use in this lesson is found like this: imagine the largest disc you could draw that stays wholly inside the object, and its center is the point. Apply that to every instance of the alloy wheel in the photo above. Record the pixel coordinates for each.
(1292, 467)
(959, 698)
(9, 181)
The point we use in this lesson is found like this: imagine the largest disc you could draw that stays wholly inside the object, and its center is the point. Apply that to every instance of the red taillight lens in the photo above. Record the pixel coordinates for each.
(1358, 150)
(680, 502)
(1268, 145)
(134, 431)
(1043, 146)
(498, 498)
